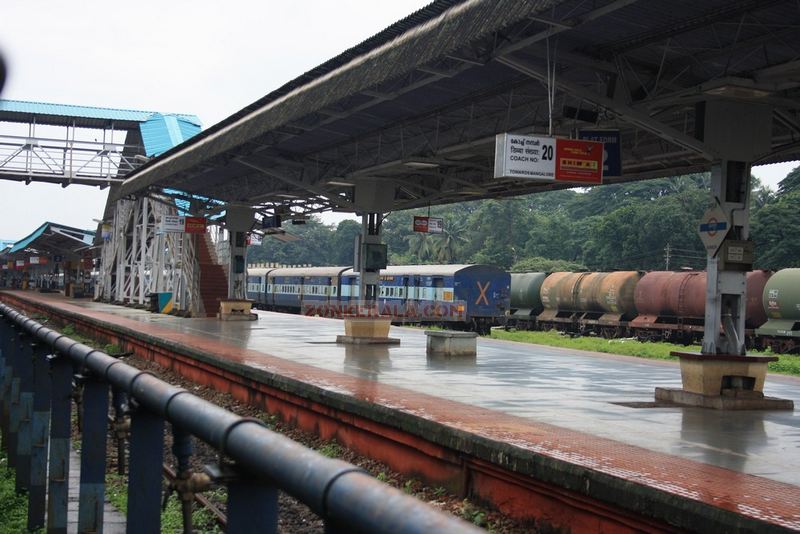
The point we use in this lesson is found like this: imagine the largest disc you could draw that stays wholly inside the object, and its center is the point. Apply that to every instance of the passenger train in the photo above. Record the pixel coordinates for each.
(473, 297)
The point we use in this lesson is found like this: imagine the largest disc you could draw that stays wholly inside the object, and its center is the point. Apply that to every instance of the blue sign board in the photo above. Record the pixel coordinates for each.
(612, 150)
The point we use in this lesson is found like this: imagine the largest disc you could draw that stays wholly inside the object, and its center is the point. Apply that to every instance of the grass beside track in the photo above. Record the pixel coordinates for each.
(787, 364)
(13, 506)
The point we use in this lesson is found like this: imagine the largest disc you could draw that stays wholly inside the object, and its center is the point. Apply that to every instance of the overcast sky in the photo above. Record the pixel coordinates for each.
(208, 58)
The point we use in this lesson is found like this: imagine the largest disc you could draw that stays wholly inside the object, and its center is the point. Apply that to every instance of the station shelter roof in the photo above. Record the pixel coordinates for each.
(52, 239)
(80, 116)
(417, 107)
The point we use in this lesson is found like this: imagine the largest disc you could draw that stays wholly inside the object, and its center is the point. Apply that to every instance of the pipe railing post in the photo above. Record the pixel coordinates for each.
(12, 405)
(60, 423)
(6, 333)
(252, 506)
(122, 422)
(144, 473)
(23, 467)
(182, 449)
(37, 497)
(93, 454)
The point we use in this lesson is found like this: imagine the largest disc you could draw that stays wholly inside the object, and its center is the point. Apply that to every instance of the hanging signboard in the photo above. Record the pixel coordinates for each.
(5, 266)
(525, 156)
(173, 224)
(105, 232)
(254, 239)
(176, 224)
(20, 263)
(547, 159)
(612, 149)
(195, 225)
(579, 161)
(34, 260)
(420, 223)
(433, 225)
(57, 258)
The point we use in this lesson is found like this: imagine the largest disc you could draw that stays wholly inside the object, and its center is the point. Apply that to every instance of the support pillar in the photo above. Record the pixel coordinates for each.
(726, 292)
(722, 376)
(238, 221)
(370, 258)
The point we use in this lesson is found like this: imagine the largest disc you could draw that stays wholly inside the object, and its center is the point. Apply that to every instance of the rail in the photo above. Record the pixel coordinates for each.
(38, 370)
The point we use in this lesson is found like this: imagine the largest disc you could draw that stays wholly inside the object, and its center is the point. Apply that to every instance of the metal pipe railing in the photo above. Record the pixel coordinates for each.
(38, 369)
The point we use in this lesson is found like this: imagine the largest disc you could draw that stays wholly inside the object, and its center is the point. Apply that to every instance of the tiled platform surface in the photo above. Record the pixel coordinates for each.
(554, 402)
(113, 520)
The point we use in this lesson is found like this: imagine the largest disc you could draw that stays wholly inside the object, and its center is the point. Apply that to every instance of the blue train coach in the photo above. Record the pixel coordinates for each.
(474, 297)
(295, 288)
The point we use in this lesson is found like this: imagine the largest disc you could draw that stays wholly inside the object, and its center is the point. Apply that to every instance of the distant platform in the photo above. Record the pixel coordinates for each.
(585, 416)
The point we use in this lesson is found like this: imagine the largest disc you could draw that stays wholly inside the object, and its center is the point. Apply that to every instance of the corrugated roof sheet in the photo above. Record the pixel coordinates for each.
(162, 132)
(10, 107)
(87, 236)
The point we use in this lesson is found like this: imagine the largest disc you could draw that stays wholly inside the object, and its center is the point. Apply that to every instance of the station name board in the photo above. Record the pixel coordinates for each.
(548, 159)
(176, 224)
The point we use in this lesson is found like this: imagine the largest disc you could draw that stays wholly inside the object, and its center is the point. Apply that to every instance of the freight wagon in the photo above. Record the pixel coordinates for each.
(658, 305)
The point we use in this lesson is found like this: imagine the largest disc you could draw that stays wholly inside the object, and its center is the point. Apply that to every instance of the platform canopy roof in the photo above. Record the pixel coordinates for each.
(417, 107)
(52, 239)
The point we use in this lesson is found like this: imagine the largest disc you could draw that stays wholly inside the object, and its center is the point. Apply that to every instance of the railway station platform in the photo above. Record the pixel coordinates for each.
(572, 438)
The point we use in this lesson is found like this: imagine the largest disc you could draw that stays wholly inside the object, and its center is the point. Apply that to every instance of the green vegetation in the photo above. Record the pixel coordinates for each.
(172, 517)
(331, 449)
(625, 347)
(787, 364)
(625, 226)
(472, 514)
(112, 349)
(13, 506)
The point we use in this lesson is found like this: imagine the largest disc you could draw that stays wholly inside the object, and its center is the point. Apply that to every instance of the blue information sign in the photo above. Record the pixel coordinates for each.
(612, 151)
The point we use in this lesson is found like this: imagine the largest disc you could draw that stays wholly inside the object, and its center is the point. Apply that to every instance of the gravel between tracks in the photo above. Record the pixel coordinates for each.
(295, 517)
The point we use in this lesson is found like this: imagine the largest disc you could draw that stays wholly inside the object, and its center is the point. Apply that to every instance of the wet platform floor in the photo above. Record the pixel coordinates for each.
(589, 407)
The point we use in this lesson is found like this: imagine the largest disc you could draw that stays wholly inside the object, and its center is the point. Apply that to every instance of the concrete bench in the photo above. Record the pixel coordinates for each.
(446, 343)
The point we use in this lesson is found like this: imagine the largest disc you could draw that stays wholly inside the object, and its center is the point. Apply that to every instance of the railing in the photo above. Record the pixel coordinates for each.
(38, 368)
(67, 159)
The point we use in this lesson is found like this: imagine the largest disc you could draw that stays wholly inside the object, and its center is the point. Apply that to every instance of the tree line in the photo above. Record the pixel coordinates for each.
(644, 225)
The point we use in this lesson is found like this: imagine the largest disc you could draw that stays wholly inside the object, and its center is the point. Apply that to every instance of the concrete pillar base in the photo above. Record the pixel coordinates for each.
(724, 382)
(354, 340)
(236, 310)
(443, 343)
(371, 327)
(747, 400)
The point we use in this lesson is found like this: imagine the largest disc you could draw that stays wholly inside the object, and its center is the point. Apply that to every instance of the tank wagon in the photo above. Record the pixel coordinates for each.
(581, 302)
(781, 304)
(473, 297)
(658, 305)
(526, 302)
